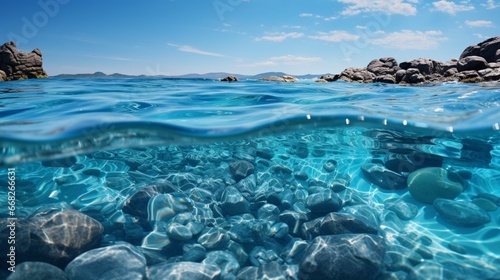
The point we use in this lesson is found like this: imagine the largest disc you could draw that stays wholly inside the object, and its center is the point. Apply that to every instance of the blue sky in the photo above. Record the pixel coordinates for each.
(242, 36)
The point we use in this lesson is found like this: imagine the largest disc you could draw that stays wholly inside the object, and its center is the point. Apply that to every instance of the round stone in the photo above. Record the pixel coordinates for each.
(330, 165)
(427, 184)
(461, 213)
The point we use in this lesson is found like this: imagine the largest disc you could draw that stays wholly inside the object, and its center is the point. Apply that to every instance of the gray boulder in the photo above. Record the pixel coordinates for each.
(18, 65)
(469, 76)
(493, 75)
(328, 78)
(450, 64)
(360, 75)
(387, 78)
(230, 79)
(488, 49)
(383, 66)
(472, 63)
(425, 66)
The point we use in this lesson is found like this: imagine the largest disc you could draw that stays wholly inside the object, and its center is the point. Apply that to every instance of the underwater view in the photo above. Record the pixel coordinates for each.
(151, 178)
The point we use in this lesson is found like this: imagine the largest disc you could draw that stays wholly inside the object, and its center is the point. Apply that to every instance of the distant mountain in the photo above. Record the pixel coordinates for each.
(210, 76)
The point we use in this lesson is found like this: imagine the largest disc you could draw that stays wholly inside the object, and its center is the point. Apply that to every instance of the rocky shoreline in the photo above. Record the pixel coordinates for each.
(477, 63)
(19, 65)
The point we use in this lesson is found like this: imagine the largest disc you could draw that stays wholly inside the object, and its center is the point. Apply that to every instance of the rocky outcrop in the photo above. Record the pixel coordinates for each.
(286, 79)
(328, 78)
(230, 79)
(488, 49)
(18, 65)
(477, 63)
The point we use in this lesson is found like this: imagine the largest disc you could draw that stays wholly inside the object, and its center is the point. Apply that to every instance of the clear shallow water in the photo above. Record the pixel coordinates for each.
(118, 136)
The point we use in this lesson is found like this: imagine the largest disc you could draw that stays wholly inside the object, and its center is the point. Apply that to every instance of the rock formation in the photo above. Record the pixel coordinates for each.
(18, 65)
(230, 79)
(478, 63)
(286, 79)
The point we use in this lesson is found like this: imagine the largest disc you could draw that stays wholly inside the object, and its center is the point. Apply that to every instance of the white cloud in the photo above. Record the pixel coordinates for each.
(480, 36)
(408, 39)
(479, 23)
(401, 7)
(451, 7)
(294, 60)
(335, 36)
(317, 16)
(284, 60)
(279, 37)
(490, 4)
(189, 49)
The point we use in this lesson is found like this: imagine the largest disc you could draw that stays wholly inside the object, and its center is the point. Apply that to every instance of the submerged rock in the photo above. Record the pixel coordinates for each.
(37, 270)
(343, 256)
(461, 213)
(137, 204)
(383, 177)
(184, 270)
(120, 261)
(427, 184)
(241, 169)
(324, 202)
(55, 236)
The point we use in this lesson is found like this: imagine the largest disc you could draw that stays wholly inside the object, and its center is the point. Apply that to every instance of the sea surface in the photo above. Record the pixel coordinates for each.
(245, 178)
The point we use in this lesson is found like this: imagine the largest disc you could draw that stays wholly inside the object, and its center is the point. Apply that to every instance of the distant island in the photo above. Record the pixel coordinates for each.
(210, 76)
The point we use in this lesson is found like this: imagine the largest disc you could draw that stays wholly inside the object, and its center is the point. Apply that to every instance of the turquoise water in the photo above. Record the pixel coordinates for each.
(91, 144)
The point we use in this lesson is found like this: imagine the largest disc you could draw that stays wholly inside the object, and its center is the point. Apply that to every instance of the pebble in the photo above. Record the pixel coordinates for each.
(405, 210)
(179, 232)
(278, 230)
(457, 248)
(224, 261)
(294, 220)
(241, 169)
(233, 203)
(301, 176)
(214, 239)
(268, 212)
(324, 202)
(330, 165)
